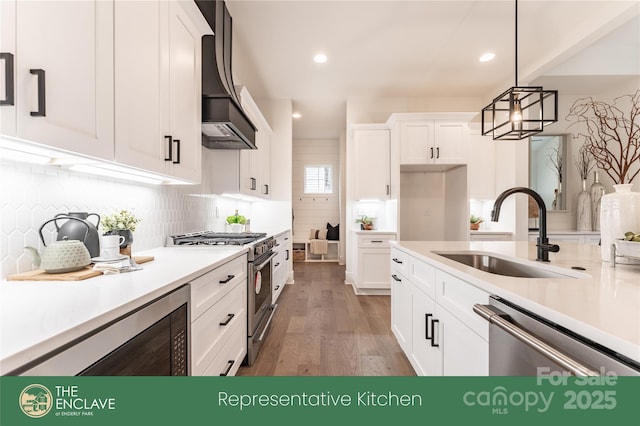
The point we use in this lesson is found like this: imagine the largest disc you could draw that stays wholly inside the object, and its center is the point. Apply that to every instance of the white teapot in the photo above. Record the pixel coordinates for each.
(61, 256)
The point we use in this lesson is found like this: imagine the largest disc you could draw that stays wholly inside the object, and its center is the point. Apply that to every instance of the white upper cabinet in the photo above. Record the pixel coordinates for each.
(432, 142)
(372, 166)
(7, 67)
(158, 87)
(432, 138)
(255, 165)
(63, 71)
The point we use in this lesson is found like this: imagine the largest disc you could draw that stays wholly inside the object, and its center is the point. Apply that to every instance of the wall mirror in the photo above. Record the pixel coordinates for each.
(548, 169)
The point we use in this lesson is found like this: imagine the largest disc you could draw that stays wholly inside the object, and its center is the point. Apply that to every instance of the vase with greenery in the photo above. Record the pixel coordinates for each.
(124, 223)
(366, 222)
(474, 222)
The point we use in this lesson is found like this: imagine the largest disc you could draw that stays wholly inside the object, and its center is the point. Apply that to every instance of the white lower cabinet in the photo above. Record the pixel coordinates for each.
(432, 317)
(373, 260)
(219, 319)
(281, 263)
(401, 310)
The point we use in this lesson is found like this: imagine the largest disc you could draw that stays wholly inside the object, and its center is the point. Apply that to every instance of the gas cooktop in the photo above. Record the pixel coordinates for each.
(215, 238)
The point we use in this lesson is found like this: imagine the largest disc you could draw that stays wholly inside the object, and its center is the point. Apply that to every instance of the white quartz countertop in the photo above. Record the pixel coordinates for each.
(602, 305)
(37, 317)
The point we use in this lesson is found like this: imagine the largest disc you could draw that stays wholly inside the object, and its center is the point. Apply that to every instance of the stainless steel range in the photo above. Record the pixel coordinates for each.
(260, 307)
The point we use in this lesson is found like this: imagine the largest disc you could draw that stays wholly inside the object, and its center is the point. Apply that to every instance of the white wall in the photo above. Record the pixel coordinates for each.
(314, 211)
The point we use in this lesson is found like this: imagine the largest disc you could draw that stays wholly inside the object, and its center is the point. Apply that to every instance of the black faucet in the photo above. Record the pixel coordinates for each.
(543, 242)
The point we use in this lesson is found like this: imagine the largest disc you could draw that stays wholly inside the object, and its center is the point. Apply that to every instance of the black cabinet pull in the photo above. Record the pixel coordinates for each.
(438, 152)
(228, 320)
(169, 140)
(396, 260)
(287, 251)
(395, 277)
(276, 289)
(229, 278)
(433, 337)
(426, 327)
(252, 184)
(376, 241)
(42, 105)
(229, 366)
(8, 79)
(265, 191)
(177, 142)
(276, 265)
(431, 152)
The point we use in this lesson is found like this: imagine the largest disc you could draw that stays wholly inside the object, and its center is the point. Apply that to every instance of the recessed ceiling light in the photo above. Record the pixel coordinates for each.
(296, 115)
(486, 57)
(320, 58)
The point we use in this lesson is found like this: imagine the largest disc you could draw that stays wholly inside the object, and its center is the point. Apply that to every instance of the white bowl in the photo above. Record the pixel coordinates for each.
(628, 248)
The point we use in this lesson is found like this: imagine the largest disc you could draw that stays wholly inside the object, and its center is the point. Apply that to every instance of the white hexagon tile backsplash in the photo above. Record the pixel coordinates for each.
(32, 194)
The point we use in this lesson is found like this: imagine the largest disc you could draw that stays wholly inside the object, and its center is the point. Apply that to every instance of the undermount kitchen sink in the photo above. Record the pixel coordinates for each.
(498, 265)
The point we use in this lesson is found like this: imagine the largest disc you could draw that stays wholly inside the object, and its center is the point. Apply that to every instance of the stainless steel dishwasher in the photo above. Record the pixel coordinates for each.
(524, 344)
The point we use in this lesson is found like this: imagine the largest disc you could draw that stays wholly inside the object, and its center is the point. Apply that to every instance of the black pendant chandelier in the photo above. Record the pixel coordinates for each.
(520, 111)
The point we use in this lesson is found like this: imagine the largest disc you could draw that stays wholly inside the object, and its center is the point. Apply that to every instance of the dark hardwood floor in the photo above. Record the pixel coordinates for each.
(321, 328)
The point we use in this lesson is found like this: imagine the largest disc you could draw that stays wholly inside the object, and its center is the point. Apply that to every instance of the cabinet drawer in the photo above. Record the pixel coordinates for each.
(230, 356)
(377, 240)
(210, 330)
(399, 261)
(212, 286)
(458, 297)
(423, 276)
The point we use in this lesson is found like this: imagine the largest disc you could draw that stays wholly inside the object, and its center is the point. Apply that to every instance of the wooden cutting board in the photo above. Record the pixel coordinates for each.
(82, 274)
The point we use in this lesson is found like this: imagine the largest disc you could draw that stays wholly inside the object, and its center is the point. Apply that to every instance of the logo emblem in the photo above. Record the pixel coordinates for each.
(36, 401)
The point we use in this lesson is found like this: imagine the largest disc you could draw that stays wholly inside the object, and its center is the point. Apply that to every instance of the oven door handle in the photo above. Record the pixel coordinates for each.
(500, 319)
(256, 268)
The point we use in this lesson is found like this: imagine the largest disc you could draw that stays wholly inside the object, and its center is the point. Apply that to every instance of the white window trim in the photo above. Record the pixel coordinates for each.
(318, 194)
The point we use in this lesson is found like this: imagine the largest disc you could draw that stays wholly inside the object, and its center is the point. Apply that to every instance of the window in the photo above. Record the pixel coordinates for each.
(318, 180)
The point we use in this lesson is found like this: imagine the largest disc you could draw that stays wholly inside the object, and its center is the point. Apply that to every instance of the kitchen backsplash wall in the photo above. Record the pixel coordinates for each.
(32, 194)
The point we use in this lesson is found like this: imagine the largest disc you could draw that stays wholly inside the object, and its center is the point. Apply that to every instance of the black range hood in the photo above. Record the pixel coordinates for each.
(224, 124)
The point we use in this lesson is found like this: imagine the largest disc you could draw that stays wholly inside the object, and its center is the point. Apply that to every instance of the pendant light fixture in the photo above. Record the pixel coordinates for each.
(521, 111)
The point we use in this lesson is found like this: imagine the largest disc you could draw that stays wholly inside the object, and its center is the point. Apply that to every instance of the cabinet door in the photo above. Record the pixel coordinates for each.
(416, 142)
(464, 353)
(481, 175)
(138, 114)
(450, 142)
(373, 268)
(371, 164)
(264, 174)
(72, 43)
(249, 172)
(7, 67)
(427, 336)
(401, 311)
(185, 95)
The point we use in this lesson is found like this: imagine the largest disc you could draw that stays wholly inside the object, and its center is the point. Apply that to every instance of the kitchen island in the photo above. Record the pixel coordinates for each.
(37, 318)
(601, 302)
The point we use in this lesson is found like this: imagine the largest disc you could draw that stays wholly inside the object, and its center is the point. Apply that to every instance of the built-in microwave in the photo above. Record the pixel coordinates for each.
(151, 341)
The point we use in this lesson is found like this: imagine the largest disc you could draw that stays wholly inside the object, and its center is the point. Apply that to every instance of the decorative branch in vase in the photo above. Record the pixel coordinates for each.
(584, 163)
(612, 136)
(555, 162)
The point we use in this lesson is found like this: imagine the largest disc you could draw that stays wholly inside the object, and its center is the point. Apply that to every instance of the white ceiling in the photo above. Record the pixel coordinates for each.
(419, 49)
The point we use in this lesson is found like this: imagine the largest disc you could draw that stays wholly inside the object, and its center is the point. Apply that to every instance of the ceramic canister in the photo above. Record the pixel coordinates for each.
(619, 213)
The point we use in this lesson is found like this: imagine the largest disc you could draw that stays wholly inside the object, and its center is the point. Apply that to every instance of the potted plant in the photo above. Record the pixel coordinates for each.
(236, 222)
(474, 222)
(121, 223)
(366, 222)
